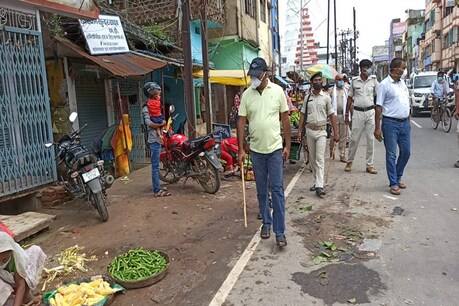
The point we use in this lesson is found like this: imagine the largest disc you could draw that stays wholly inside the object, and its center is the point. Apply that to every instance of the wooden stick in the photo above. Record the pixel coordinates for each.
(329, 164)
(243, 194)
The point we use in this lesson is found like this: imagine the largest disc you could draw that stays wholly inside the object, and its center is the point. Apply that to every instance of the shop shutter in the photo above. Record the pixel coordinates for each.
(92, 109)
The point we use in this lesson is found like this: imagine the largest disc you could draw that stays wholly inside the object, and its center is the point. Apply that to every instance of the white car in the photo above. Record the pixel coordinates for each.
(419, 88)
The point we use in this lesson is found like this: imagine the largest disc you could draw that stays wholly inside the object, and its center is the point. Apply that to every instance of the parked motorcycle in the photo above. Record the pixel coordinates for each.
(184, 158)
(86, 177)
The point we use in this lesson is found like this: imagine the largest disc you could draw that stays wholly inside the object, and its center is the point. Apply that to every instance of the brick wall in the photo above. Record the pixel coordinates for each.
(163, 13)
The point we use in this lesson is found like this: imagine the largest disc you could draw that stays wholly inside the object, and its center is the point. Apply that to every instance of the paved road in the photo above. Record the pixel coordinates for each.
(417, 263)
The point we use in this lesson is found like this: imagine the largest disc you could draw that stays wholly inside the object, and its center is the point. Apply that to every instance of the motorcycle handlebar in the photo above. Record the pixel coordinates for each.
(76, 133)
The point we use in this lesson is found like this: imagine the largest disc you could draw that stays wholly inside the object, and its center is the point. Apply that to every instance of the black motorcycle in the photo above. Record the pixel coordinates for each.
(86, 177)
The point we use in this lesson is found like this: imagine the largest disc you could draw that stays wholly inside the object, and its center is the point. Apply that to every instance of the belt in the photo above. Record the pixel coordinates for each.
(317, 127)
(364, 109)
(397, 119)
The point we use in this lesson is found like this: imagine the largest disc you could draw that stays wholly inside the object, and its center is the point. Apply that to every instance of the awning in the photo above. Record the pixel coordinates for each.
(226, 77)
(282, 81)
(121, 65)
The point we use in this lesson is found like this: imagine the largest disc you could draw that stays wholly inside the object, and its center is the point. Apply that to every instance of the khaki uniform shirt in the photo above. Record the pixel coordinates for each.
(363, 92)
(319, 108)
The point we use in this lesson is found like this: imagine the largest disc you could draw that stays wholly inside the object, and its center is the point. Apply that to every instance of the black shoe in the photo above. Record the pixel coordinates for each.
(313, 188)
(456, 164)
(265, 232)
(320, 192)
(259, 216)
(281, 241)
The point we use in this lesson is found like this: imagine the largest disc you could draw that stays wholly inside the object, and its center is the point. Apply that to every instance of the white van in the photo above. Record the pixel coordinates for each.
(419, 88)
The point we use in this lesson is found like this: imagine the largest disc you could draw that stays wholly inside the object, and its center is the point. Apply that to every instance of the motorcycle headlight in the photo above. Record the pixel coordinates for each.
(418, 95)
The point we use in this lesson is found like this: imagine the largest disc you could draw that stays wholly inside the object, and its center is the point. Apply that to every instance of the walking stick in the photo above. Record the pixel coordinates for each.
(243, 194)
(329, 165)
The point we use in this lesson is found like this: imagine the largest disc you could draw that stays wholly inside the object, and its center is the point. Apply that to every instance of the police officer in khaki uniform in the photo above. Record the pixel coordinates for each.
(360, 103)
(319, 107)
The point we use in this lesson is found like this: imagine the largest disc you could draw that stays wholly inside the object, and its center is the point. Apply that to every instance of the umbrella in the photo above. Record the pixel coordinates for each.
(328, 71)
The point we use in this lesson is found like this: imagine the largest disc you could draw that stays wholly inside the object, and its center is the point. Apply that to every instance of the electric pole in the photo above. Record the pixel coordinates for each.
(336, 36)
(188, 69)
(205, 65)
(328, 32)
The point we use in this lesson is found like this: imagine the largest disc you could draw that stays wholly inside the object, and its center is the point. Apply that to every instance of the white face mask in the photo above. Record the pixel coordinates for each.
(2, 267)
(405, 72)
(255, 82)
(368, 72)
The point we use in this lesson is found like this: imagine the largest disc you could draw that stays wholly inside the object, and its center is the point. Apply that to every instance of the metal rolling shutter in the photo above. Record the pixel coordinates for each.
(92, 110)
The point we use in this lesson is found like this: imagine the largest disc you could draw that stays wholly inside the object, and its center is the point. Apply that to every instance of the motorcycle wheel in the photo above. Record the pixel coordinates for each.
(446, 120)
(99, 202)
(165, 172)
(209, 176)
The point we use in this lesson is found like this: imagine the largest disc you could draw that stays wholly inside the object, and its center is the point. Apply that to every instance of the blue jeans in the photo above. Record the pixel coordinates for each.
(155, 149)
(269, 166)
(396, 133)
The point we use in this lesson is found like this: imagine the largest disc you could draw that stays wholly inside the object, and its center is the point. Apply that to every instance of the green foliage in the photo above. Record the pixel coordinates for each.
(155, 30)
(55, 27)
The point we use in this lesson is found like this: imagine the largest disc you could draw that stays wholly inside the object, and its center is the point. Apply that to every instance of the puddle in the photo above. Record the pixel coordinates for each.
(338, 283)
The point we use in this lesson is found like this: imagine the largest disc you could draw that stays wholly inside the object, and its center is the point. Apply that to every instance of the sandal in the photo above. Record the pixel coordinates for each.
(281, 241)
(401, 185)
(395, 190)
(162, 193)
(265, 232)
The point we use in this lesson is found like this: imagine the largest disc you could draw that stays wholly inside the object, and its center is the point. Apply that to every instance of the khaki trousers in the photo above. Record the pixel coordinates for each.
(317, 141)
(342, 129)
(363, 122)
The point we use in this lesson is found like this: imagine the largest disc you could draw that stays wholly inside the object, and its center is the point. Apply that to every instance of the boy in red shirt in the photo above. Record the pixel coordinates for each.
(154, 105)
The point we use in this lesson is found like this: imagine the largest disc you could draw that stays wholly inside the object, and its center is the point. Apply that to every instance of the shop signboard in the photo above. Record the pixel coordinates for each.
(104, 35)
(221, 131)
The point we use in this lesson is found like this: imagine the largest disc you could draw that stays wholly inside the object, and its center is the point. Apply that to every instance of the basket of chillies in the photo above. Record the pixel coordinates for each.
(139, 268)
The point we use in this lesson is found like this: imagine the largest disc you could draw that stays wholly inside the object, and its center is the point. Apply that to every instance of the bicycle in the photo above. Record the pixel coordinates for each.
(440, 113)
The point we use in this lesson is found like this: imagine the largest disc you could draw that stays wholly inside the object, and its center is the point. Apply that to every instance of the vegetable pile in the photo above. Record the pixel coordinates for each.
(137, 265)
(82, 294)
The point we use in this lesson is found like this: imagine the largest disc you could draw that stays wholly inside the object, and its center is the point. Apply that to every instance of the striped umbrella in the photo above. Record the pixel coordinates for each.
(328, 71)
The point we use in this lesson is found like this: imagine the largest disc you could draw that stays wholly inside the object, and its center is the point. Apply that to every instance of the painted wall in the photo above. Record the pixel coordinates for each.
(196, 45)
(230, 55)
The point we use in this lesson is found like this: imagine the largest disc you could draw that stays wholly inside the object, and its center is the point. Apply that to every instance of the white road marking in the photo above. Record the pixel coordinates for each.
(233, 276)
(416, 124)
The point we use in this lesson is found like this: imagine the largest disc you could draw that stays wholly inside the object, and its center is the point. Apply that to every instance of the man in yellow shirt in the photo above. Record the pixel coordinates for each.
(261, 105)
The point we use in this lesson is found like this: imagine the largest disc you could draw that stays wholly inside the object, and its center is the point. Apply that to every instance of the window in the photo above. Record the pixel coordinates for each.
(263, 10)
(250, 8)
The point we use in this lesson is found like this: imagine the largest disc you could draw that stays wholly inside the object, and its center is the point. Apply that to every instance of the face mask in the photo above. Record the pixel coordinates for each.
(255, 82)
(440, 79)
(5, 264)
(340, 83)
(368, 72)
(317, 86)
(405, 72)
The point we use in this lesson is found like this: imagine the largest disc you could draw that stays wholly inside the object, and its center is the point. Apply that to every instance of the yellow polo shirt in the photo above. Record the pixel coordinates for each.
(263, 114)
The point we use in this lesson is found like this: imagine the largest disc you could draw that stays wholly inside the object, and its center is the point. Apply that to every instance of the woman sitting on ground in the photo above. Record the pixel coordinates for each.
(20, 272)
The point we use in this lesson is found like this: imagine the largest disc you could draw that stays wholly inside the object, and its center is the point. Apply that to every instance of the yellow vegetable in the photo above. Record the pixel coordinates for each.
(82, 294)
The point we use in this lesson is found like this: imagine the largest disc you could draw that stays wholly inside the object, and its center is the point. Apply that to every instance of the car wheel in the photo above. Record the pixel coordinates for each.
(414, 112)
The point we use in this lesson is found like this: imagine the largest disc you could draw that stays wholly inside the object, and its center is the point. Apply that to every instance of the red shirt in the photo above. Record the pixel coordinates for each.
(154, 107)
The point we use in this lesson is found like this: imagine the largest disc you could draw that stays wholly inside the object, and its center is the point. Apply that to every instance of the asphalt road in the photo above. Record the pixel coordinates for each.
(417, 263)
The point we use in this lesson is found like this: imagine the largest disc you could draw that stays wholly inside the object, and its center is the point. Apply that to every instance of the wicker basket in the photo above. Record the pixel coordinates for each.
(146, 281)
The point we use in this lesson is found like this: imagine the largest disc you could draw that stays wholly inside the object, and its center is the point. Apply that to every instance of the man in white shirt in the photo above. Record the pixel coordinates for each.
(393, 103)
(339, 101)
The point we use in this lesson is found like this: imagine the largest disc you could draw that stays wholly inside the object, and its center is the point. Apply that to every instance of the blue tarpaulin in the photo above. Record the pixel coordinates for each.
(282, 81)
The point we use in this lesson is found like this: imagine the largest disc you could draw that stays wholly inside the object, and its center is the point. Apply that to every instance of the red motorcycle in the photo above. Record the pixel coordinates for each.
(184, 158)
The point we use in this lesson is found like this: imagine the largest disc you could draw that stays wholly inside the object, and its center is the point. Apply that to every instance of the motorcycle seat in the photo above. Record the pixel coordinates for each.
(193, 145)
